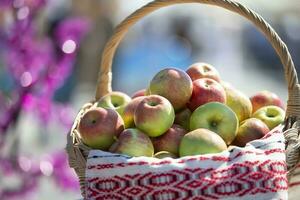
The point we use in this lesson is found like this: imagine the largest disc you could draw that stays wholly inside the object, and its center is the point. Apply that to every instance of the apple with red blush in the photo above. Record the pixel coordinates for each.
(203, 70)
(170, 140)
(99, 127)
(206, 90)
(265, 98)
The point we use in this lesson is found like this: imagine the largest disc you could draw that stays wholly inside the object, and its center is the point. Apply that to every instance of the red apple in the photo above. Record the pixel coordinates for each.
(139, 93)
(206, 90)
(173, 84)
(133, 142)
(128, 114)
(250, 129)
(265, 98)
(99, 126)
(170, 140)
(182, 118)
(203, 70)
(154, 115)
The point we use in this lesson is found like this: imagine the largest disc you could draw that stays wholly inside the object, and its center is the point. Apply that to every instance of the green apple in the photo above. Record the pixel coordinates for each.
(272, 116)
(216, 117)
(239, 103)
(133, 142)
(173, 84)
(114, 100)
(201, 141)
(154, 115)
(99, 126)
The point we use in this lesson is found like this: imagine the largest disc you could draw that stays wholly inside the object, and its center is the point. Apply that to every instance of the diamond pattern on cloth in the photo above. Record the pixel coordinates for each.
(257, 171)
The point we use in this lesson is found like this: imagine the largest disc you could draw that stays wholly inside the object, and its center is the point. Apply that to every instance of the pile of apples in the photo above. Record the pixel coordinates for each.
(180, 114)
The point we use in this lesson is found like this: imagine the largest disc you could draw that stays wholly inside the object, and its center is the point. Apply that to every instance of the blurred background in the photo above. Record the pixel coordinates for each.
(50, 51)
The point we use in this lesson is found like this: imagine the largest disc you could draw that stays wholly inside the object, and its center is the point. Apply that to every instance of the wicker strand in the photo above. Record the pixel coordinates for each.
(293, 104)
(77, 151)
(293, 147)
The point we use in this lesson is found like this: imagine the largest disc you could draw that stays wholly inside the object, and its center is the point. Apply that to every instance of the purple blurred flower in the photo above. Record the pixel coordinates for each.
(71, 29)
(66, 115)
(35, 4)
(33, 62)
(38, 69)
(27, 55)
(3, 109)
(5, 3)
(62, 173)
(27, 181)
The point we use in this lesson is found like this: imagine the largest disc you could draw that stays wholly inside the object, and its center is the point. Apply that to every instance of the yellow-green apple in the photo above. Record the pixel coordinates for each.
(114, 100)
(239, 103)
(265, 98)
(206, 90)
(99, 126)
(154, 115)
(170, 140)
(139, 93)
(203, 70)
(272, 116)
(164, 154)
(182, 118)
(129, 110)
(250, 129)
(173, 84)
(133, 142)
(201, 141)
(216, 117)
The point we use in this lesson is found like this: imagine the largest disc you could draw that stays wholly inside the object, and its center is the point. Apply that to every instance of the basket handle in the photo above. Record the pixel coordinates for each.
(105, 74)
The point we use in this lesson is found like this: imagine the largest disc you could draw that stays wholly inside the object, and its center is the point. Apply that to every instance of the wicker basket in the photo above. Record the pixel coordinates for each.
(78, 152)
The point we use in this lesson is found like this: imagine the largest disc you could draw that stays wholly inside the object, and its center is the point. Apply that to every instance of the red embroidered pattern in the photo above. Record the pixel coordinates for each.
(259, 170)
(237, 180)
(214, 158)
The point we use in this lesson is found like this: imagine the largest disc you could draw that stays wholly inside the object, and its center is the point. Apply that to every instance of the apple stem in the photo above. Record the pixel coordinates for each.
(214, 124)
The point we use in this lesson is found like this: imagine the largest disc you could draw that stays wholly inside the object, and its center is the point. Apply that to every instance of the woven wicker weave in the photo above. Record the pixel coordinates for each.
(78, 152)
